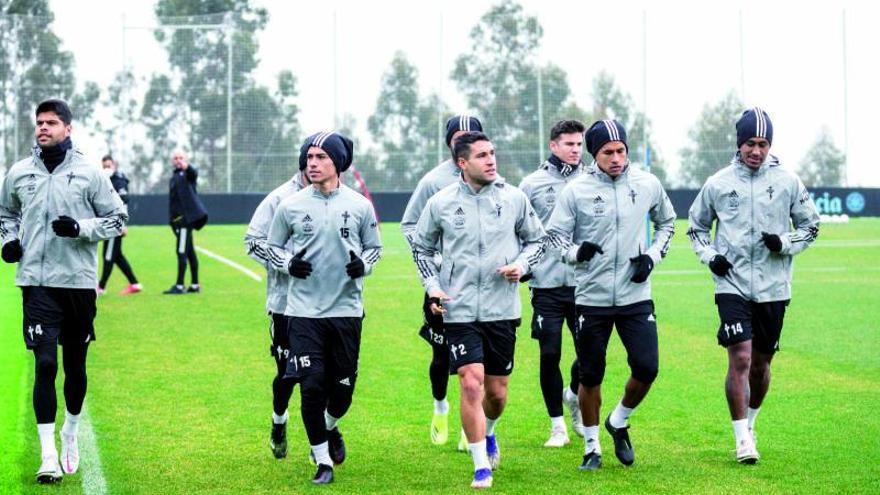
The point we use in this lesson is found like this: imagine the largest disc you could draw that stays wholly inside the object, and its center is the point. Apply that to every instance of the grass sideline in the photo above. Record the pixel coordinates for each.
(179, 387)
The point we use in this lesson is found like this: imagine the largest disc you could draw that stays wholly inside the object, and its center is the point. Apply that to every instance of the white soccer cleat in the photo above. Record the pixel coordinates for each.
(574, 409)
(69, 453)
(746, 452)
(50, 470)
(558, 438)
(482, 478)
(462, 442)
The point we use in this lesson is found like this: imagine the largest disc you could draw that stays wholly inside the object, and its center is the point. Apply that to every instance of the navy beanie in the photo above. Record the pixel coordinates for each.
(465, 123)
(604, 131)
(753, 123)
(339, 147)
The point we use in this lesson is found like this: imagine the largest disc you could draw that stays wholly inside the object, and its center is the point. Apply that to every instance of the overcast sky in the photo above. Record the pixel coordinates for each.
(789, 60)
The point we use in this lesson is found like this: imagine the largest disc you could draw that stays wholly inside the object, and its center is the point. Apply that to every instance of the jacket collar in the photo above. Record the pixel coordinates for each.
(603, 177)
(318, 194)
(744, 170)
(498, 183)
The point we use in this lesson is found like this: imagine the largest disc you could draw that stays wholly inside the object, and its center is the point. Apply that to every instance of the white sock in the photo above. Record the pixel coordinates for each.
(591, 439)
(620, 415)
(330, 421)
(71, 424)
(279, 420)
(441, 406)
(47, 439)
(751, 416)
(558, 423)
(490, 425)
(322, 454)
(478, 453)
(740, 429)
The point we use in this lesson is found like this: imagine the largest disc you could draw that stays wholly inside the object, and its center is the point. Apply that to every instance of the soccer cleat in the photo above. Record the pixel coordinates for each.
(746, 453)
(131, 289)
(337, 446)
(193, 289)
(278, 440)
(440, 428)
(493, 451)
(574, 410)
(482, 478)
(623, 448)
(558, 437)
(462, 442)
(50, 470)
(324, 475)
(592, 461)
(175, 290)
(69, 453)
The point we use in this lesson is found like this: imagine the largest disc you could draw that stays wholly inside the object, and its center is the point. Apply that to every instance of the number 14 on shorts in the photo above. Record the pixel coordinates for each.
(732, 329)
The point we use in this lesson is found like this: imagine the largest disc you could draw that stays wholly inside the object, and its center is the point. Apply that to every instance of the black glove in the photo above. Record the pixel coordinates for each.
(299, 267)
(12, 251)
(643, 265)
(719, 265)
(587, 251)
(64, 226)
(355, 268)
(526, 277)
(772, 241)
(435, 300)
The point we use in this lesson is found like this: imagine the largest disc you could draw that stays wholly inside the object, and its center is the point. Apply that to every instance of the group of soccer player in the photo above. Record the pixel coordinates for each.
(575, 231)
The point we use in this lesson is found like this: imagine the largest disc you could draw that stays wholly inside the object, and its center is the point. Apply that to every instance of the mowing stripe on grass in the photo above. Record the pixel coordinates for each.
(93, 481)
(229, 262)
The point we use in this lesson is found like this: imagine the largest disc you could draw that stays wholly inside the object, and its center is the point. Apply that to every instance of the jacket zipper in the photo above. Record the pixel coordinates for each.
(751, 234)
(616, 242)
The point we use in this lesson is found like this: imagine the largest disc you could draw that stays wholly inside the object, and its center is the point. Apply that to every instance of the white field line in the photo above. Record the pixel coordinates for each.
(229, 262)
(93, 481)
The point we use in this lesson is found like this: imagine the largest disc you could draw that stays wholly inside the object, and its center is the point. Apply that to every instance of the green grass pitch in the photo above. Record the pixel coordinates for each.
(179, 388)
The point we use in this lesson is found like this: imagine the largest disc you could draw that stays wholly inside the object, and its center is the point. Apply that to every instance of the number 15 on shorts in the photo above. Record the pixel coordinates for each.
(301, 362)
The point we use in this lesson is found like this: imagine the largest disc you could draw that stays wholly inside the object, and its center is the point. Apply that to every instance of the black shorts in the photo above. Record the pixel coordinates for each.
(432, 328)
(329, 346)
(54, 315)
(278, 336)
(637, 328)
(552, 307)
(743, 320)
(488, 342)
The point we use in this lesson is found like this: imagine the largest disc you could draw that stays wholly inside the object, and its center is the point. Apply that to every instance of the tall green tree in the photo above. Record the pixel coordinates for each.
(404, 126)
(713, 141)
(189, 106)
(824, 163)
(33, 67)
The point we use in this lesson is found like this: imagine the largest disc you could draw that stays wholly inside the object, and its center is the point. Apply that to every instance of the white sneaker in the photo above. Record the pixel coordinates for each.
(746, 453)
(558, 437)
(574, 409)
(462, 442)
(50, 469)
(69, 453)
(482, 478)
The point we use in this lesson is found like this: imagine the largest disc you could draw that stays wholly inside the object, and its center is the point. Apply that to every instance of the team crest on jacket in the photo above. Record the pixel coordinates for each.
(598, 206)
(307, 225)
(458, 218)
(498, 210)
(632, 195)
(770, 191)
(733, 200)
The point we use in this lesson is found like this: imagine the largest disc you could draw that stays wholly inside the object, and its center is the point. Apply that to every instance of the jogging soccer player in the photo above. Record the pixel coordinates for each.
(753, 203)
(54, 208)
(334, 232)
(439, 177)
(113, 247)
(489, 236)
(599, 226)
(553, 282)
(257, 247)
(186, 214)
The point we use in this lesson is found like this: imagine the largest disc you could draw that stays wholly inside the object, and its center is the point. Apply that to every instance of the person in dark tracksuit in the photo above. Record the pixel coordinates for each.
(598, 225)
(113, 247)
(553, 283)
(257, 247)
(334, 234)
(54, 208)
(187, 213)
(439, 177)
(753, 203)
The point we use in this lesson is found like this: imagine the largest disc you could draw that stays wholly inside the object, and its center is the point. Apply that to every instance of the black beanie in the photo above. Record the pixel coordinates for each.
(462, 122)
(339, 147)
(753, 123)
(604, 131)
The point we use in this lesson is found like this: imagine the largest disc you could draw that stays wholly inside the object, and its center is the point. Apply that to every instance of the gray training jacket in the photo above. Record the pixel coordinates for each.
(327, 227)
(743, 203)
(542, 187)
(257, 246)
(611, 213)
(31, 198)
(439, 177)
(477, 233)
